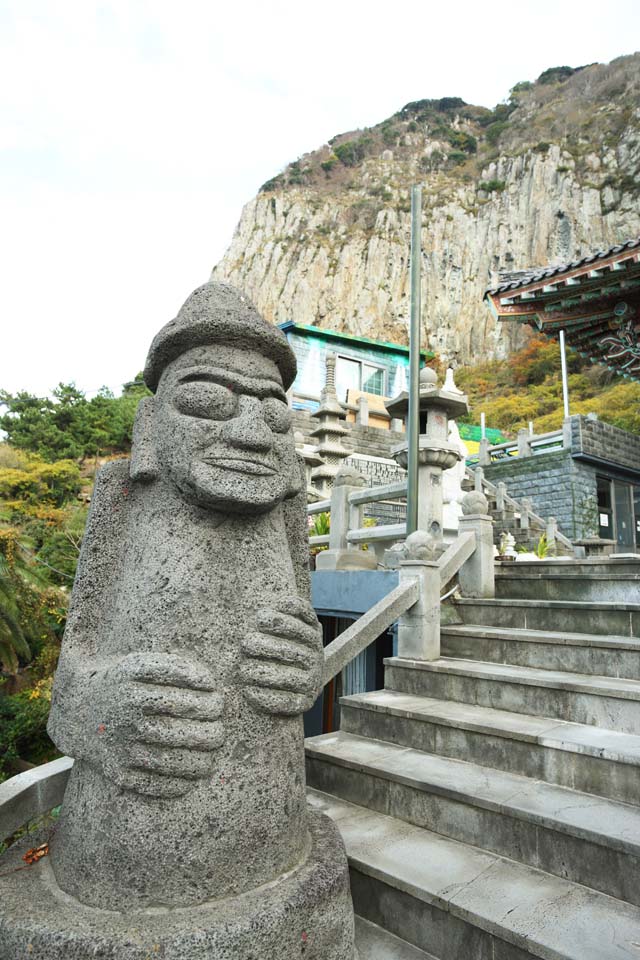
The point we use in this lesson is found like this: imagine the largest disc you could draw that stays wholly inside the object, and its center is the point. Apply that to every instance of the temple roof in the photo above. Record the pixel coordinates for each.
(595, 300)
(514, 279)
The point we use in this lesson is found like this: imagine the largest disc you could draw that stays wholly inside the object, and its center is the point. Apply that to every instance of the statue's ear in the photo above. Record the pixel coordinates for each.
(144, 462)
(297, 477)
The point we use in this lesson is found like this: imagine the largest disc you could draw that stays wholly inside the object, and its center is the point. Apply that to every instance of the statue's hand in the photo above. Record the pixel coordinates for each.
(282, 669)
(161, 722)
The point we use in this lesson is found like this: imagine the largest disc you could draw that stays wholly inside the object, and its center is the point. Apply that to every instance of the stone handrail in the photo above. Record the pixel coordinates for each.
(319, 506)
(392, 491)
(388, 531)
(455, 555)
(29, 795)
(322, 540)
(416, 601)
(368, 627)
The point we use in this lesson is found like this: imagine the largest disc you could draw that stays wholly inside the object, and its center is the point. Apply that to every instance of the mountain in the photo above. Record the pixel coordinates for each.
(551, 174)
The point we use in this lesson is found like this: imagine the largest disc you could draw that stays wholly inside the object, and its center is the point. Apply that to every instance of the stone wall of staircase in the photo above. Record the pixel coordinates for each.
(557, 485)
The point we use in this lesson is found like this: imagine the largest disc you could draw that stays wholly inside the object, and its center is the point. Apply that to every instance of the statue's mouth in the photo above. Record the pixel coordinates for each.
(242, 465)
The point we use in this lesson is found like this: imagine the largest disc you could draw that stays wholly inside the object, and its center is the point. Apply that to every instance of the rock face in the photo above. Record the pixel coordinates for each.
(191, 652)
(551, 175)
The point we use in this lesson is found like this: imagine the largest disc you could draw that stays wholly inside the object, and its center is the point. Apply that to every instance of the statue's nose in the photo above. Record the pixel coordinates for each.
(248, 430)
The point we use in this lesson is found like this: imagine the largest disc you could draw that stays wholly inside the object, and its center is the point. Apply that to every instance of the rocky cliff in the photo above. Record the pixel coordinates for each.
(551, 174)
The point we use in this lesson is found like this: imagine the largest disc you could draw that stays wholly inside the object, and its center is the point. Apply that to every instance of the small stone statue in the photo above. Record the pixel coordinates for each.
(191, 652)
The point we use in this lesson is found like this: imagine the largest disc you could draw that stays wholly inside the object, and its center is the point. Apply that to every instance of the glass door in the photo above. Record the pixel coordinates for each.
(624, 521)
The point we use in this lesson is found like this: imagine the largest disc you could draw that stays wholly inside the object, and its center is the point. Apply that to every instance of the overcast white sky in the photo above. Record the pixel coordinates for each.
(132, 132)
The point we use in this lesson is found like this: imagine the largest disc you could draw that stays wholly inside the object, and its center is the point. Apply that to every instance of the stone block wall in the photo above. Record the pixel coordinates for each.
(557, 485)
(593, 438)
(370, 441)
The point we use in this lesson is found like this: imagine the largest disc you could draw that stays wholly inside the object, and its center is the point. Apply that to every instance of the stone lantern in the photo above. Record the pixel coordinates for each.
(438, 405)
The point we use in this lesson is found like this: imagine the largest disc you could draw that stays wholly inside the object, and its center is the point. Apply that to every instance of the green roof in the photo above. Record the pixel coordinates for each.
(290, 327)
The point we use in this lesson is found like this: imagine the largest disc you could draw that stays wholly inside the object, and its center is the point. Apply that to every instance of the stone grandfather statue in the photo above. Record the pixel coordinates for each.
(190, 654)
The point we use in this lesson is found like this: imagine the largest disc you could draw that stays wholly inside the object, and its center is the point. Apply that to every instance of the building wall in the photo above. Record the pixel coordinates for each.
(557, 485)
(311, 352)
(594, 438)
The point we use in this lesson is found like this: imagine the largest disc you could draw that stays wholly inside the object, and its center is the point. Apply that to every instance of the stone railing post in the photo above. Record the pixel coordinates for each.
(501, 496)
(484, 453)
(362, 416)
(526, 509)
(524, 443)
(566, 433)
(552, 529)
(343, 517)
(477, 574)
(419, 627)
(478, 479)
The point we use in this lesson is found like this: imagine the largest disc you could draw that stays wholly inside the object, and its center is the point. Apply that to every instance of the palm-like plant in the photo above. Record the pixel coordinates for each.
(21, 595)
(13, 643)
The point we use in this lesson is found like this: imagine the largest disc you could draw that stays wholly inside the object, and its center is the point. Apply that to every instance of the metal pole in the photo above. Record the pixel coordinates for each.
(413, 425)
(565, 382)
(483, 425)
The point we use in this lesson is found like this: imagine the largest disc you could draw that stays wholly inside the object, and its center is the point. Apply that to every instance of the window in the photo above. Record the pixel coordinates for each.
(359, 375)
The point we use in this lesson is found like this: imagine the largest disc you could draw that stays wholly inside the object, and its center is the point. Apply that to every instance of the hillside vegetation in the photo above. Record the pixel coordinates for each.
(528, 387)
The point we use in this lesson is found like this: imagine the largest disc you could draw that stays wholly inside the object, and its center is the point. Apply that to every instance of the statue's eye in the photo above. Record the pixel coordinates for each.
(276, 414)
(209, 401)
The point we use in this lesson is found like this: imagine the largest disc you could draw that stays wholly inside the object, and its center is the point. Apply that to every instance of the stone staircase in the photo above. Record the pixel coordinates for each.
(490, 800)
(517, 517)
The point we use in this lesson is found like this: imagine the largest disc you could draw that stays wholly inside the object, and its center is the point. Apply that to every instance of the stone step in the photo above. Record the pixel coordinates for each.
(586, 758)
(607, 702)
(566, 616)
(604, 656)
(586, 839)
(374, 943)
(461, 903)
(613, 584)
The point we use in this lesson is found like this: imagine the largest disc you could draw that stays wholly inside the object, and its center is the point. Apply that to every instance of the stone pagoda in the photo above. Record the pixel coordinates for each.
(331, 416)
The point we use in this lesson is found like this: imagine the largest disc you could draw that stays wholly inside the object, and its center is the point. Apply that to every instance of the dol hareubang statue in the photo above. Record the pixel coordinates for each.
(190, 654)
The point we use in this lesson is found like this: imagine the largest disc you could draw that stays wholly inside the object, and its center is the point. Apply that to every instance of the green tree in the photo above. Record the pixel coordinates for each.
(67, 425)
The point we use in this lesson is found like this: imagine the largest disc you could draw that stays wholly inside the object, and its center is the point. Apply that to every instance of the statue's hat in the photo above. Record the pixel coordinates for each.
(218, 313)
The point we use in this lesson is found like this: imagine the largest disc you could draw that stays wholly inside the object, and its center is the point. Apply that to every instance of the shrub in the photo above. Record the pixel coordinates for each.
(389, 135)
(350, 152)
(556, 75)
(457, 157)
(274, 184)
(463, 141)
(495, 130)
(492, 186)
(521, 87)
(328, 165)
(542, 147)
